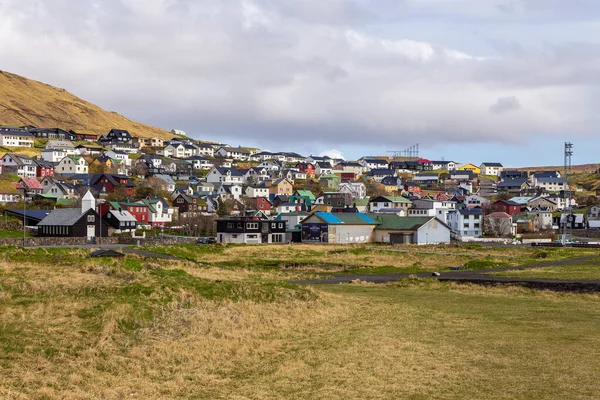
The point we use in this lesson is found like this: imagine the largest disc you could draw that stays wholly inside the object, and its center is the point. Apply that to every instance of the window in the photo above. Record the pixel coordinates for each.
(91, 218)
(239, 225)
(476, 225)
(252, 225)
(281, 225)
(273, 225)
(229, 225)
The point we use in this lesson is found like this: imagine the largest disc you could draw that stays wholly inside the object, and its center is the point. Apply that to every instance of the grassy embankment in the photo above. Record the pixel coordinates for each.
(586, 270)
(74, 327)
(376, 259)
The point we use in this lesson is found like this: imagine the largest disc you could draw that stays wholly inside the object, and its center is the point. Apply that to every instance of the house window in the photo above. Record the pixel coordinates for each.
(91, 218)
(239, 225)
(252, 225)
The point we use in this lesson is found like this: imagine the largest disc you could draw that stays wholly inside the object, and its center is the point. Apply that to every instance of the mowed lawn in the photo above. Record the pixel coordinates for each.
(587, 270)
(76, 328)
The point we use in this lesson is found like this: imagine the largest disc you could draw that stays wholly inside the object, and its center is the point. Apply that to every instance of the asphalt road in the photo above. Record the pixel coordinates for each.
(473, 276)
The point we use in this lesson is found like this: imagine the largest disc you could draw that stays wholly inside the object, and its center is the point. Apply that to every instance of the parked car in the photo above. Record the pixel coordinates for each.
(206, 240)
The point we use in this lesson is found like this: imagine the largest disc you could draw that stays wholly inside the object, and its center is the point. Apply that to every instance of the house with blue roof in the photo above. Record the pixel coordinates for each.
(327, 227)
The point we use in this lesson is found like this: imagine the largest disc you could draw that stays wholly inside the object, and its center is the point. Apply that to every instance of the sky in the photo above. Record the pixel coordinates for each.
(469, 80)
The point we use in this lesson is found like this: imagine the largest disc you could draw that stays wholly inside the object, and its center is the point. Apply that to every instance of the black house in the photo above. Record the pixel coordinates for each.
(252, 231)
(74, 222)
(52, 133)
(115, 136)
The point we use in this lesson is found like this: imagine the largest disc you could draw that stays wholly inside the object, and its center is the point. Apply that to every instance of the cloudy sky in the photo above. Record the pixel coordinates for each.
(469, 80)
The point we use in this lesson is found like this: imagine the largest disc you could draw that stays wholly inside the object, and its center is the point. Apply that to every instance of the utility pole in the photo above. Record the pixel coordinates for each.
(24, 219)
(567, 227)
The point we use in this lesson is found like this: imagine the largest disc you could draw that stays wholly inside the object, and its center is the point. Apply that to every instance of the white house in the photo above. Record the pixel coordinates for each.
(255, 191)
(200, 162)
(491, 168)
(229, 190)
(370, 163)
(323, 168)
(19, 164)
(431, 208)
(476, 200)
(54, 155)
(205, 150)
(236, 153)
(15, 137)
(466, 222)
(270, 166)
(119, 155)
(169, 182)
(71, 165)
(552, 184)
(357, 190)
(443, 165)
(225, 175)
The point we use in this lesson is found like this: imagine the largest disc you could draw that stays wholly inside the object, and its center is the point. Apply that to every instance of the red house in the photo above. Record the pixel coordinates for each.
(113, 182)
(306, 168)
(412, 187)
(43, 168)
(507, 206)
(140, 211)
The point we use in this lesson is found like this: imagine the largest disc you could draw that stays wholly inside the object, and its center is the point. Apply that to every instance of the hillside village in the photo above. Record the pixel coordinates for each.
(83, 184)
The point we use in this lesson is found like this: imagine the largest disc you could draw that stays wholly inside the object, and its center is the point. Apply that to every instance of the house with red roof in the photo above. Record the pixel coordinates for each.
(31, 186)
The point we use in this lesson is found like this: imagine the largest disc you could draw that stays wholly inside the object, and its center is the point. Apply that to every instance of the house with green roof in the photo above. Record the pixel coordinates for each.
(71, 165)
(303, 196)
(394, 229)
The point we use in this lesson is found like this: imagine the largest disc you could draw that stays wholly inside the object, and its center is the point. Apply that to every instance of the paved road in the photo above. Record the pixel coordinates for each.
(474, 276)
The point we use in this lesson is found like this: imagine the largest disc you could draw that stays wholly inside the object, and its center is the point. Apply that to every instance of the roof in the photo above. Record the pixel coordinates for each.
(521, 200)
(32, 183)
(471, 211)
(393, 199)
(390, 181)
(122, 215)
(381, 171)
(498, 215)
(236, 150)
(395, 222)
(551, 180)
(345, 218)
(305, 193)
(492, 164)
(375, 161)
(62, 217)
(512, 182)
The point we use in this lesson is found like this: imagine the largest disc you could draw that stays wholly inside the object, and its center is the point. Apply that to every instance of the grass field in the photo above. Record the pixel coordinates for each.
(588, 270)
(361, 258)
(78, 328)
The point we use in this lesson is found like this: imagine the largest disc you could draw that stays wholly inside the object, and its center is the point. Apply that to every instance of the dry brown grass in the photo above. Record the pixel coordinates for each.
(418, 339)
(28, 102)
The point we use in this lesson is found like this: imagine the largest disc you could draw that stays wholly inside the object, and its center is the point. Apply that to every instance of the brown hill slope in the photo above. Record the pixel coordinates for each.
(27, 102)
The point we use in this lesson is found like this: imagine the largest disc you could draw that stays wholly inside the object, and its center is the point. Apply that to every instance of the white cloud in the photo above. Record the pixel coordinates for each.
(330, 72)
(333, 153)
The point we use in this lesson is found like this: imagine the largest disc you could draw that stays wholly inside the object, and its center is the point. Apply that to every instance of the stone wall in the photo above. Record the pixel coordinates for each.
(57, 241)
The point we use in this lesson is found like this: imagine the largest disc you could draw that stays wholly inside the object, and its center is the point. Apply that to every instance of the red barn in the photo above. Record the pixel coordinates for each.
(507, 206)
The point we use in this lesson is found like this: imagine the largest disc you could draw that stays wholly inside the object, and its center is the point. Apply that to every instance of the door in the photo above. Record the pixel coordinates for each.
(91, 232)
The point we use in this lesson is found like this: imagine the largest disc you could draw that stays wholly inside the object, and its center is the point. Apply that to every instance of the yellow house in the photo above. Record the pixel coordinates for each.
(281, 186)
(470, 167)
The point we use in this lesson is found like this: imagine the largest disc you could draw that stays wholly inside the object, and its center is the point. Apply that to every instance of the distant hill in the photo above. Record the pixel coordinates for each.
(27, 102)
(584, 168)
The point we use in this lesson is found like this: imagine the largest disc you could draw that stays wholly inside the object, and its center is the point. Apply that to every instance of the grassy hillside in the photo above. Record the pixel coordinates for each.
(27, 102)
(80, 328)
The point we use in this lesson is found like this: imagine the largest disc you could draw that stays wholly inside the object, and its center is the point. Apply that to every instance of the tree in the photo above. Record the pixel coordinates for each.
(225, 206)
(497, 227)
(139, 169)
(152, 187)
